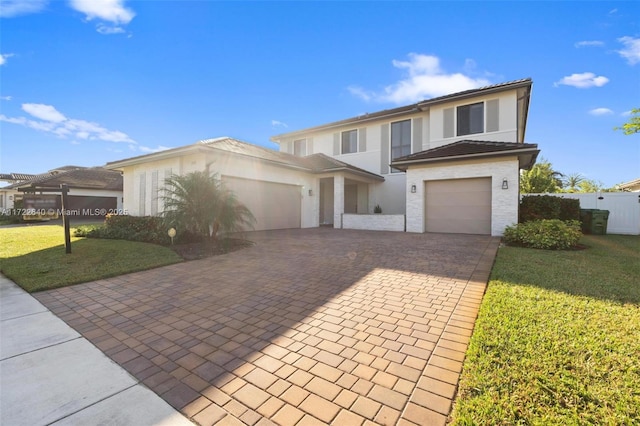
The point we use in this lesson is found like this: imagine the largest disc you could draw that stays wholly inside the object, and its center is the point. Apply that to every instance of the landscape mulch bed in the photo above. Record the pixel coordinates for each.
(200, 250)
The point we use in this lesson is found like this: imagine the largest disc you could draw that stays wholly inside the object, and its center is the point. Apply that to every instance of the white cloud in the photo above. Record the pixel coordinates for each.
(613, 11)
(583, 80)
(112, 11)
(3, 58)
(276, 123)
(589, 43)
(151, 150)
(106, 29)
(631, 51)
(12, 8)
(626, 113)
(44, 112)
(53, 121)
(6, 98)
(425, 79)
(600, 111)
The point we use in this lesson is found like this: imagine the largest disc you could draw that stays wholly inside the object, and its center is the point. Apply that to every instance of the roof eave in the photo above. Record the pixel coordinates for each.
(118, 165)
(475, 94)
(350, 170)
(404, 165)
(419, 106)
(359, 119)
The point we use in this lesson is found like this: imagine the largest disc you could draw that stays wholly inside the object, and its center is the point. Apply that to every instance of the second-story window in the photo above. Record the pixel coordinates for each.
(470, 119)
(349, 142)
(300, 147)
(400, 140)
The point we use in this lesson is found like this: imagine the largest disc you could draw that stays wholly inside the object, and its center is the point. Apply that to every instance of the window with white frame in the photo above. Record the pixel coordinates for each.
(470, 119)
(349, 141)
(400, 140)
(300, 147)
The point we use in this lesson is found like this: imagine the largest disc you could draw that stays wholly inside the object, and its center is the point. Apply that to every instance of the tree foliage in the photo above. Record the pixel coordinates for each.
(571, 183)
(633, 125)
(200, 204)
(541, 178)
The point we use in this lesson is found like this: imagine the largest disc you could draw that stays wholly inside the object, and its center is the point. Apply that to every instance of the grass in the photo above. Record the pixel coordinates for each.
(557, 340)
(34, 257)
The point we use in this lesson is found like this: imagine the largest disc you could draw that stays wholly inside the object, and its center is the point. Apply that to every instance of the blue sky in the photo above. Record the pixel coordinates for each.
(86, 82)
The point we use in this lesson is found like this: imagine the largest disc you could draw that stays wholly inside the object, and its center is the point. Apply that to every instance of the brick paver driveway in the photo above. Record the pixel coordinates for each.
(316, 326)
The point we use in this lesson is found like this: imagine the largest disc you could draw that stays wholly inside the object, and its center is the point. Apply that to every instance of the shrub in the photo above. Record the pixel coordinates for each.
(85, 230)
(549, 234)
(569, 209)
(537, 207)
(147, 229)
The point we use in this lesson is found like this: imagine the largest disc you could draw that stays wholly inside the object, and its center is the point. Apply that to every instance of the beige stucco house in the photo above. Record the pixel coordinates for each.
(448, 164)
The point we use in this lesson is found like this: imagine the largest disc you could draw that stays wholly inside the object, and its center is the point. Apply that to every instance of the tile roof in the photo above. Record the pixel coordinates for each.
(86, 178)
(16, 176)
(466, 147)
(470, 149)
(321, 163)
(314, 163)
(239, 147)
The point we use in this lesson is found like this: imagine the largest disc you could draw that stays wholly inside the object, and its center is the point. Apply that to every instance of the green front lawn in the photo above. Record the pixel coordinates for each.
(557, 340)
(34, 257)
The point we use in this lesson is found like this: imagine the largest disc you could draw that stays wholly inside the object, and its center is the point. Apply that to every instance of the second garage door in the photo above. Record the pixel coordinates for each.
(461, 206)
(275, 205)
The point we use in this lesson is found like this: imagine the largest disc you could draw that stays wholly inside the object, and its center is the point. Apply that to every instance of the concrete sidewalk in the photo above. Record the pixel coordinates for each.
(51, 375)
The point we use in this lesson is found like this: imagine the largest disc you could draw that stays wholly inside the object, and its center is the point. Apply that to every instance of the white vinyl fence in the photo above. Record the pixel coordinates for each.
(624, 209)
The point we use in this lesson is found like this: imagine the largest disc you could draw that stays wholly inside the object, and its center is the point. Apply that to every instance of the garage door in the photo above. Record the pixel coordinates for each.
(275, 205)
(460, 206)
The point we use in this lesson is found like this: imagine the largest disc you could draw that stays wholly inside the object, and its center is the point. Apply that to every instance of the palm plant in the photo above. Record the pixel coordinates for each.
(573, 181)
(199, 203)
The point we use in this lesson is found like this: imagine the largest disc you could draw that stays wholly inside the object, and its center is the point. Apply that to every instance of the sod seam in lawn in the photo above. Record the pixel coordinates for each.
(557, 340)
(34, 257)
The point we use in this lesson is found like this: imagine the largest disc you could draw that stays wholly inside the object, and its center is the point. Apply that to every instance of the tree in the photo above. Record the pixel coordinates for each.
(200, 204)
(572, 182)
(541, 178)
(590, 185)
(633, 125)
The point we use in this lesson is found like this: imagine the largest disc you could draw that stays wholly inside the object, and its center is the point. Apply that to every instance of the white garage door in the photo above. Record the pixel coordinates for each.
(275, 205)
(460, 206)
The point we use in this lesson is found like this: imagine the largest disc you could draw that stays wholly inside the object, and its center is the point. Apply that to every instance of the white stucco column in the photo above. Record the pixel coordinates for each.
(338, 200)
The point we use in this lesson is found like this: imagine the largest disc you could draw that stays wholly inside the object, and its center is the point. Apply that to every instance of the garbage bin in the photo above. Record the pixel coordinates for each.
(599, 220)
(586, 220)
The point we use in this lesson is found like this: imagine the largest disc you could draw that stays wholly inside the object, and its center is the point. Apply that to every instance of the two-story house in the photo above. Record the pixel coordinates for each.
(448, 164)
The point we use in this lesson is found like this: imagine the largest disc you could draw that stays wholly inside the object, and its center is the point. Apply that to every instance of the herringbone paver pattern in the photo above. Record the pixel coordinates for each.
(315, 326)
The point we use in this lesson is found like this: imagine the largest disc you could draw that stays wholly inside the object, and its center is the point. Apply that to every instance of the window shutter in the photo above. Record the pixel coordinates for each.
(417, 135)
(336, 144)
(362, 139)
(142, 197)
(167, 174)
(493, 115)
(309, 146)
(447, 124)
(154, 193)
(384, 149)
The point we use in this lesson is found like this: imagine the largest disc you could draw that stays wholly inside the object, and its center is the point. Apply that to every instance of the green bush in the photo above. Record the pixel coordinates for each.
(85, 230)
(549, 234)
(147, 229)
(569, 209)
(537, 207)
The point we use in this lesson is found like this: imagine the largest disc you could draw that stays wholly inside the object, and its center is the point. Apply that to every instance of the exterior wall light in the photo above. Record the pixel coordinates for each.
(413, 189)
(505, 184)
(310, 192)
